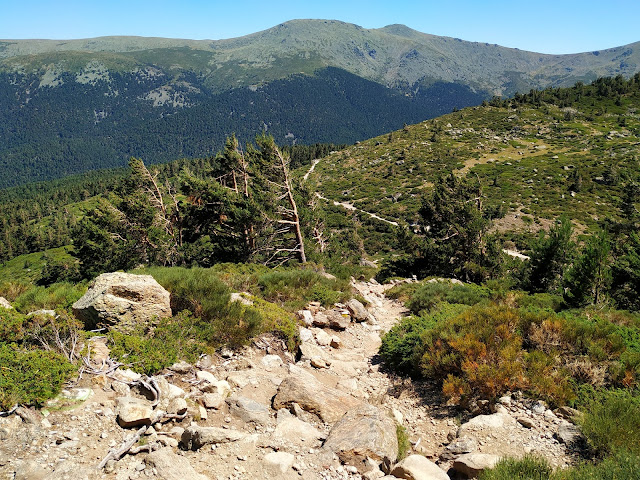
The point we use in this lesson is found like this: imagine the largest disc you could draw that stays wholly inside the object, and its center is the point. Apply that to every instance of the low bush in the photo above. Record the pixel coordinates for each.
(277, 320)
(511, 340)
(527, 468)
(404, 444)
(30, 376)
(11, 326)
(623, 465)
(400, 347)
(429, 295)
(295, 288)
(612, 422)
(58, 295)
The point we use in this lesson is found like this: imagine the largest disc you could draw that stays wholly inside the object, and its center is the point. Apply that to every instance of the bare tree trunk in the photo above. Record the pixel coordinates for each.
(294, 207)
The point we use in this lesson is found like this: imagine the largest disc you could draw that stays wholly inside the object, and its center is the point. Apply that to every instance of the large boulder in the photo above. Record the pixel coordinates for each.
(364, 432)
(303, 389)
(122, 301)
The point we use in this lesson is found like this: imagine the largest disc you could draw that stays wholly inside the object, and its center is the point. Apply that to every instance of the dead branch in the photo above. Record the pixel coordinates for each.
(117, 454)
(128, 445)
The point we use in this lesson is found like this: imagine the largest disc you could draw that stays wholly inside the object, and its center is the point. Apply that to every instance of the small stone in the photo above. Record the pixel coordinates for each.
(539, 407)
(306, 335)
(526, 422)
(282, 461)
(322, 337)
(213, 400)
(473, 464)
(417, 467)
(206, 376)
(397, 415)
(306, 316)
(133, 412)
(203, 412)
(318, 362)
(181, 367)
(271, 361)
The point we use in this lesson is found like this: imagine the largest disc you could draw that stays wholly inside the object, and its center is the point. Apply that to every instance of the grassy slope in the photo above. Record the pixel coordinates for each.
(525, 158)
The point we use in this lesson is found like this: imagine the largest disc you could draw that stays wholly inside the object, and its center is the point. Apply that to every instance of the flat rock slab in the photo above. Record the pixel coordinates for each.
(4, 303)
(296, 431)
(133, 412)
(195, 437)
(122, 301)
(170, 466)
(417, 467)
(364, 432)
(302, 388)
(498, 422)
(248, 410)
(473, 464)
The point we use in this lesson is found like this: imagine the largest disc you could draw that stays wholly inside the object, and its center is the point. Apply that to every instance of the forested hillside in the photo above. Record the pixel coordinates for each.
(54, 132)
(73, 106)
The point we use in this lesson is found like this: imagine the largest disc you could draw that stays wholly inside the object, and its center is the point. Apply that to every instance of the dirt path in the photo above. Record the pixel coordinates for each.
(349, 206)
(70, 442)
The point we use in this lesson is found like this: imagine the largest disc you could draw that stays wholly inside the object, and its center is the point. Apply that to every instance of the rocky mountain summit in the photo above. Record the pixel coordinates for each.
(330, 411)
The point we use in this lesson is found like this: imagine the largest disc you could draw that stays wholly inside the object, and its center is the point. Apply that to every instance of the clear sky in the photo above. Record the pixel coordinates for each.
(543, 26)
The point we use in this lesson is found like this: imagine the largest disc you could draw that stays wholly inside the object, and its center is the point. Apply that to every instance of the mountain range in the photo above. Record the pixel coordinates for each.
(76, 105)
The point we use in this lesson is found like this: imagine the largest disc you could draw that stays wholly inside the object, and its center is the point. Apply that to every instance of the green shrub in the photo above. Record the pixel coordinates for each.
(527, 468)
(623, 465)
(400, 347)
(30, 376)
(403, 442)
(277, 320)
(11, 326)
(142, 354)
(429, 295)
(200, 291)
(56, 296)
(294, 288)
(612, 422)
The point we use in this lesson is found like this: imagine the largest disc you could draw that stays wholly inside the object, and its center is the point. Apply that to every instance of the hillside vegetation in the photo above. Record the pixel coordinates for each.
(553, 173)
(537, 156)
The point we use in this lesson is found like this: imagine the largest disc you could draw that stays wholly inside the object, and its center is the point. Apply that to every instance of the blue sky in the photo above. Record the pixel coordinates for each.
(543, 26)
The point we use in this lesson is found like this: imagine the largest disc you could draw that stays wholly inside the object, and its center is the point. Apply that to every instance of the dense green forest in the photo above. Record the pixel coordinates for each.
(51, 132)
(44, 215)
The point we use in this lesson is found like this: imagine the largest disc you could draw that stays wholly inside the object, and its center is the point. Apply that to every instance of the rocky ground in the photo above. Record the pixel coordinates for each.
(329, 413)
